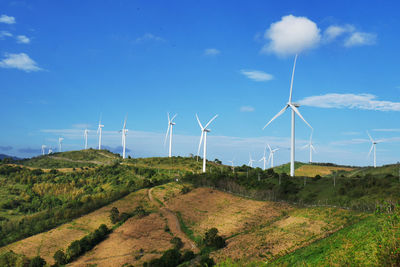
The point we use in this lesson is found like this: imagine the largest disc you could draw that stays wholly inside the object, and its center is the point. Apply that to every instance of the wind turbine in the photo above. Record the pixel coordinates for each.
(85, 135)
(204, 132)
(99, 130)
(264, 158)
(271, 155)
(50, 150)
(251, 161)
(233, 167)
(123, 132)
(310, 146)
(169, 131)
(43, 148)
(293, 106)
(373, 146)
(60, 139)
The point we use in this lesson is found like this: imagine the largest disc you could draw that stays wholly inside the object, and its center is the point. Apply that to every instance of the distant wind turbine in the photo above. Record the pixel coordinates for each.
(60, 144)
(43, 148)
(99, 130)
(310, 146)
(171, 123)
(233, 167)
(264, 158)
(85, 135)
(50, 150)
(251, 161)
(204, 132)
(294, 109)
(124, 132)
(373, 146)
(271, 155)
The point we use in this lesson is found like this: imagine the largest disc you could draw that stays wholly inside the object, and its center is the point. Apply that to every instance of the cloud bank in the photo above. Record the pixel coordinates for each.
(7, 19)
(352, 101)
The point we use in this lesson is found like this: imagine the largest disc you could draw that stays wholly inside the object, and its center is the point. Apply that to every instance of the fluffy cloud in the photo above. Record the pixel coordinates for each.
(291, 35)
(5, 34)
(247, 109)
(360, 38)
(211, 52)
(22, 39)
(352, 101)
(257, 75)
(19, 61)
(149, 37)
(334, 31)
(7, 19)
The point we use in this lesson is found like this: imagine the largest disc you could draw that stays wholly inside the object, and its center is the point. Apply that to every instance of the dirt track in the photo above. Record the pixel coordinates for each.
(173, 223)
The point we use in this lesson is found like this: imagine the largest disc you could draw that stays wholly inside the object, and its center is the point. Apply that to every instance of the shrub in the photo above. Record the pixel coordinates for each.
(177, 242)
(212, 239)
(60, 257)
(114, 215)
(37, 262)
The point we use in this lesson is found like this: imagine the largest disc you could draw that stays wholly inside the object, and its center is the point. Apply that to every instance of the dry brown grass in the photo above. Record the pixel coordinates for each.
(313, 170)
(135, 242)
(204, 208)
(47, 243)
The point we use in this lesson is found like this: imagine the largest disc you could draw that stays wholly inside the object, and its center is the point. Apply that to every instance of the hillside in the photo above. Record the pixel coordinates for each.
(311, 170)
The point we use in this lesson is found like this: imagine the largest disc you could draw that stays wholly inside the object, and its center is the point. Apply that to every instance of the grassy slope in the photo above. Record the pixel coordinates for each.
(392, 169)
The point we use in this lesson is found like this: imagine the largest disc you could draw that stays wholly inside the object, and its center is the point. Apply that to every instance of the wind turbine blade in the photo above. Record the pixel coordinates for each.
(312, 147)
(298, 113)
(304, 147)
(166, 135)
(276, 149)
(276, 116)
(201, 140)
(372, 147)
(312, 131)
(291, 81)
(125, 122)
(269, 158)
(370, 138)
(270, 150)
(211, 121)
(173, 117)
(168, 117)
(201, 126)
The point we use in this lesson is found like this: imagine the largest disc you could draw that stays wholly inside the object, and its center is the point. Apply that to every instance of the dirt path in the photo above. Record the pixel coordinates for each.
(173, 223)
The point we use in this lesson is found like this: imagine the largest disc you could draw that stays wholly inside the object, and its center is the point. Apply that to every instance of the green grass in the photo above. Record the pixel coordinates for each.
(285, 168)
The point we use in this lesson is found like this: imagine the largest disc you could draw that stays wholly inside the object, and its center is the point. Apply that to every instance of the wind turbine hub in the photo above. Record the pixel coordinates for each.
(296, 104)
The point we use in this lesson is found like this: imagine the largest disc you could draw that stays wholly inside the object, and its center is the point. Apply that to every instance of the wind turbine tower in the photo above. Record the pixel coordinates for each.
(85, 134)
(124, 131)
(264, 158)
(310, 146)
(60, 144)
(204, 132)
(271, 155)
(293, 106)
(43, 148)
(99, 131)
(171, 123)
(373, 147)
(251, 161)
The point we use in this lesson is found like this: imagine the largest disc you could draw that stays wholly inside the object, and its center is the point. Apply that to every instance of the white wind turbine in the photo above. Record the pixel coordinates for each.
(271, 155)
(50, 150)
(43, 148)
(233, 167)
(264, 158)
(251, 161)
(99, 131)
(294, 109)
(169, 131)
(124, 132)
(310, 146)
(204, 132)
(85, 135)
(60, 139)
(373, 146)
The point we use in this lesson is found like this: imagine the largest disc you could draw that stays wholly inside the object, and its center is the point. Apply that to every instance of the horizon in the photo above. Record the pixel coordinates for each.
(142, 60)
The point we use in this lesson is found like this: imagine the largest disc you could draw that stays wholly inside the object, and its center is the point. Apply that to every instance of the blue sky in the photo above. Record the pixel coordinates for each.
(63, 63)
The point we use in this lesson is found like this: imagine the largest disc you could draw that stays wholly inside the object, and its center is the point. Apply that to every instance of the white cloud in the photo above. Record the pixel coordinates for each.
(247, 109)
(351, 133)
(352, 101)
(5, 34)
(7, 19)
(149, 37)
(291, 35)
(257, 75)
(360, 38)
(211, 52)
(334, 31)
(386, 130)
(19, 61)
(22, 39)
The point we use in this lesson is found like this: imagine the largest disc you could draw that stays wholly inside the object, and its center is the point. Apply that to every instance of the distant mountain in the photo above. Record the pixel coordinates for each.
(3, 156)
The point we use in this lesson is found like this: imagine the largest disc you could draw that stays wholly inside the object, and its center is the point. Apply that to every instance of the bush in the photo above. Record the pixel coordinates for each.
(114, 215)
(212, 239)
(177, 242)
(37, 262)
(60, 257)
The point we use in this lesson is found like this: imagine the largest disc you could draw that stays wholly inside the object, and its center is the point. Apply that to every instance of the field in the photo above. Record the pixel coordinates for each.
(47, 243)
(313, 170)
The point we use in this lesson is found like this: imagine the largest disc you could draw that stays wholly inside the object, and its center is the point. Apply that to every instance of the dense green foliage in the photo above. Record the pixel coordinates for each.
(11, 259)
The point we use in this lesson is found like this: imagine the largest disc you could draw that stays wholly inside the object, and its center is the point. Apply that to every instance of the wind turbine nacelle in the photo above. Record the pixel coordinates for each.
(296, 104)
(172, 123)
(206, 130)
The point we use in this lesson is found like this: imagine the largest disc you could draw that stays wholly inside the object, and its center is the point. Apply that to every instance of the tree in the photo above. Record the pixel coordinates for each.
(37, 262)
(114, 215)
(212, 239)
(177, 242)
(60, 257)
